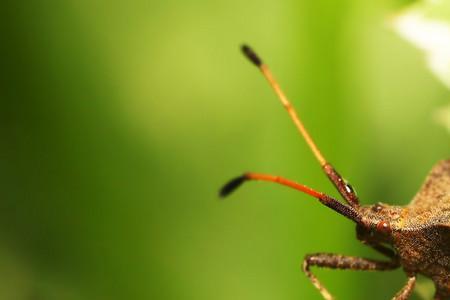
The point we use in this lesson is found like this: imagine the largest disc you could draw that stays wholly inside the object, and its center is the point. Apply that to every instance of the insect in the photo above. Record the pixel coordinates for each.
(415, 237)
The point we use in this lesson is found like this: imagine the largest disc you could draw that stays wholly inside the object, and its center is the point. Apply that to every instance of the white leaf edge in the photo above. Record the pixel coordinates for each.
(433, 38)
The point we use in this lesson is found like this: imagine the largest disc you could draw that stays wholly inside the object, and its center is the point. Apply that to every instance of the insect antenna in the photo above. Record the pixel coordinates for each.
(342, 186)
(332, 203)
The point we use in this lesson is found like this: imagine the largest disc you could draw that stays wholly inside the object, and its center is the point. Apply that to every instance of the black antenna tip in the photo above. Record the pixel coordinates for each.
(251, 55)
(232, 185)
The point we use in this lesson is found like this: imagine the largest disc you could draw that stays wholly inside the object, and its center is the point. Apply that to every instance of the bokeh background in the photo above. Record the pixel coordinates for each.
(120, 120)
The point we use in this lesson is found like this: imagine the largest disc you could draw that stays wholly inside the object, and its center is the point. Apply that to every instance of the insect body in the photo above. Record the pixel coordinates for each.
(415, 237)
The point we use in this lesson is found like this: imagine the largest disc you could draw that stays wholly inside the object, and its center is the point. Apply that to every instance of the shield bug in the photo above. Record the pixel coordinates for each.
(415, 237)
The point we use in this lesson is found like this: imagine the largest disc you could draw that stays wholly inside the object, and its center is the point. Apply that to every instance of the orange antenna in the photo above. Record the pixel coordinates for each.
(342, 186)
(251, 55)
(332, 203)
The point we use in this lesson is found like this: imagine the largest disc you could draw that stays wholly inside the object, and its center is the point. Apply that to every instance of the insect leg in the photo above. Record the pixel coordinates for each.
(341, 185)
(406, 291)
(336, 261)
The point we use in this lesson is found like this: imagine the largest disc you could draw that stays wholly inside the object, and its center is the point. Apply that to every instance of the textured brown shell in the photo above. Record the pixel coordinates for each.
(423, 242)
(431, 205)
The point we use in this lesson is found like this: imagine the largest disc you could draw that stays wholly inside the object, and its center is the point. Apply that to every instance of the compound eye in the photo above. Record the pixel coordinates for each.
(384, 227)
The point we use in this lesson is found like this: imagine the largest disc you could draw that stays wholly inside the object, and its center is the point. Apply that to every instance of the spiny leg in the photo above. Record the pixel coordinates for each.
(336, 261)
(341, 185)
(406, 291)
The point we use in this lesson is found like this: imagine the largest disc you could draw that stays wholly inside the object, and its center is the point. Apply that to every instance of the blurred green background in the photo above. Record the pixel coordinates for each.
(121, 119)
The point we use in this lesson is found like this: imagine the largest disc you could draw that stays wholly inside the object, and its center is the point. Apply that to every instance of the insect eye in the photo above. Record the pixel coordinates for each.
(384, 227)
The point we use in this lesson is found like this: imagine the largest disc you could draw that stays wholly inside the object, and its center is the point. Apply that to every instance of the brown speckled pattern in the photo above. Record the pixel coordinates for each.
(419, 235)
(423, 240)
(431, 205)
